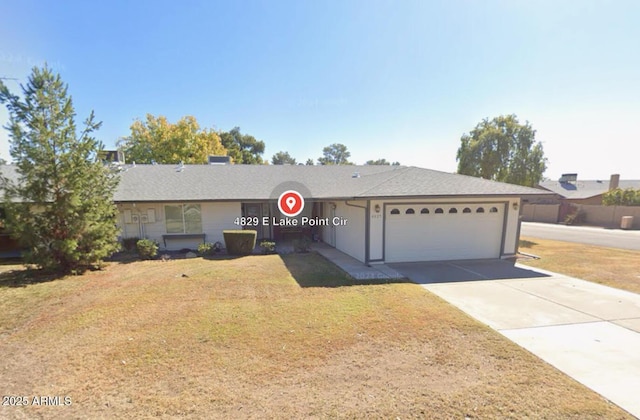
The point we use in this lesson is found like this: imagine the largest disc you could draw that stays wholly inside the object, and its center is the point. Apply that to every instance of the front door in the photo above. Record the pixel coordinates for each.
(258, 210)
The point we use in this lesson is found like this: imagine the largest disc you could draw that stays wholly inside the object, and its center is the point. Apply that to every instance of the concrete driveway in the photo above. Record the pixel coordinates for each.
(588, 331)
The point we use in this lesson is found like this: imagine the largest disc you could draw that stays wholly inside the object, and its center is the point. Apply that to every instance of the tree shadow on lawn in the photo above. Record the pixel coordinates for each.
(25, 276)
(313, 270)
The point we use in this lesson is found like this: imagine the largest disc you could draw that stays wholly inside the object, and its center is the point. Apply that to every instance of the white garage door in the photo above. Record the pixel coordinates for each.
(431, 232)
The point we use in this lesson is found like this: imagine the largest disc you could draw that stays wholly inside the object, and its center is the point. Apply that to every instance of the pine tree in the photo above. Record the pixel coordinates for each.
(60, 207)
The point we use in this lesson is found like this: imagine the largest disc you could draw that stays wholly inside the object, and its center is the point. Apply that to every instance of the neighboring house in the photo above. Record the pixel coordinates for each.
(573, 196)
(571, 190)
(383, 213)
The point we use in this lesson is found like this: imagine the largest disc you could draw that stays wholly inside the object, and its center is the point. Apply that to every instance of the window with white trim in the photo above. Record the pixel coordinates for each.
(183, 218)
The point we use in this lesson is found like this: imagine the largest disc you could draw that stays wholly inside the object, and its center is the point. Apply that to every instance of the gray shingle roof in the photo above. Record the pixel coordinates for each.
(258, 182)
(585, 189)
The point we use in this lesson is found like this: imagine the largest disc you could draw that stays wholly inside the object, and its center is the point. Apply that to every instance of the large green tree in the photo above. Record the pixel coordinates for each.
(243, 148)
(620, 197)
(503, 150)
(283, 158)
(158, 140)
(60, 207)
(381, 162)
(335, 154)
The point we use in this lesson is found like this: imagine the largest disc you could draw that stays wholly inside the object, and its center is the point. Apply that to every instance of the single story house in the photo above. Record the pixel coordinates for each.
(571, 195)
(571, 190)
(376, 214)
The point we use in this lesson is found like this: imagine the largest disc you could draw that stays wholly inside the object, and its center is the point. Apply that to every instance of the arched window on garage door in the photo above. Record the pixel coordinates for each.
(453, 210)
(410, 211)
(439, 211)
(395, 211)
(424, 211)
(466, 210)
(493, 210)
(480, 210)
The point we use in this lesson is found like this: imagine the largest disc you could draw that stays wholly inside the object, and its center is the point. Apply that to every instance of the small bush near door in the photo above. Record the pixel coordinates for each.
(130, 244)
(302, 245)
(268, 247)
(207, 248)
(240, 242)
(147, 248)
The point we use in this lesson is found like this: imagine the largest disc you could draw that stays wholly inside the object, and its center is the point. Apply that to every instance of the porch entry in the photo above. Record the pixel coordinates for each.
(258, 210)
(272, 230)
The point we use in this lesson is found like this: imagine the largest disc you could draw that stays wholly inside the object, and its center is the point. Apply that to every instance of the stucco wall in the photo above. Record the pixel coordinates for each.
(595, 200)
(376, 227)
(511, 227)
(350, 238)
(216, 217)
(610, 216)
(546, 213)
(597, 215)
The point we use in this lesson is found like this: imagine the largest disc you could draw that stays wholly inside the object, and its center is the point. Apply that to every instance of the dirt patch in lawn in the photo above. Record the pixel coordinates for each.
(240, 338)
(609, 266)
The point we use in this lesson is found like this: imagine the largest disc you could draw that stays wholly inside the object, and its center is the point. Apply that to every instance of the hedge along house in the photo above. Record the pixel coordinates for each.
(375, 214)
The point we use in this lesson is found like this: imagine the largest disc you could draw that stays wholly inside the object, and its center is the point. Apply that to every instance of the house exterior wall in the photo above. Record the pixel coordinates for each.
(595, 200)
(327, 233)
(216, 217)
(512, 227)
(350, 238)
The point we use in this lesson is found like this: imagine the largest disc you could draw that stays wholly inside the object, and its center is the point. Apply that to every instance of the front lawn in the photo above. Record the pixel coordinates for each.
(238, 338)
(609, 266)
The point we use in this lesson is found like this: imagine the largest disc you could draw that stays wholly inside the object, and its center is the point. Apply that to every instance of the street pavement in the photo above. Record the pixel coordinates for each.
(613, 238)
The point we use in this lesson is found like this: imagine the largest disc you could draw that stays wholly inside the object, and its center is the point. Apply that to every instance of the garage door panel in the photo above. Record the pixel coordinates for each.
(443, 236)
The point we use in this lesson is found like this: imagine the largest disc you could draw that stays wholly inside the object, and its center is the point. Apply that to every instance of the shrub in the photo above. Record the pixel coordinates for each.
(207, 248)
(129, 244)
(268, 247)
(576, 218)
(147, 248)
(302, 245)
(240, 242)
(620, 197)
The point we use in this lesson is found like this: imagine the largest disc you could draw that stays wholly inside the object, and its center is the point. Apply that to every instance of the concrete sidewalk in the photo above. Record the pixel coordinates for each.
(353, 267)
(588, 331)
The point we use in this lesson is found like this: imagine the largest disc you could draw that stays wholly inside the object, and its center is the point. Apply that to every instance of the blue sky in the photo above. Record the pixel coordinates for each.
(401, 80)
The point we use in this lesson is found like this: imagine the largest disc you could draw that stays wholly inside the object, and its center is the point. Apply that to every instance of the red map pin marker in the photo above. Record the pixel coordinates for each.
(290, 203)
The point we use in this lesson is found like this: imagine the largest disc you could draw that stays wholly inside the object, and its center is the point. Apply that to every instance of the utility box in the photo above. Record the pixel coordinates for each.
(626, 222)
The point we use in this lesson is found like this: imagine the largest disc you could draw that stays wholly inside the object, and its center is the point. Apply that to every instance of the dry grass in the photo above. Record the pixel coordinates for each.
(609, 266)
(240, 338)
